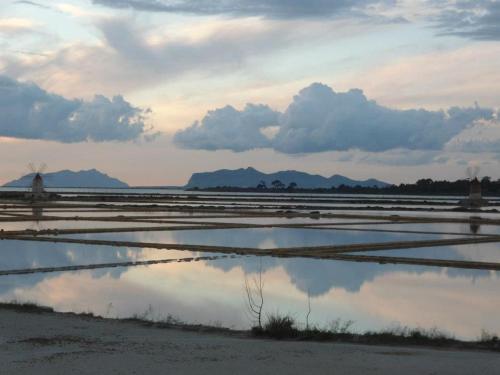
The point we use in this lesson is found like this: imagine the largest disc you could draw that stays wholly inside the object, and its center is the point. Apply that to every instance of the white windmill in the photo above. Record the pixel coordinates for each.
(37, 185)
(475, 199)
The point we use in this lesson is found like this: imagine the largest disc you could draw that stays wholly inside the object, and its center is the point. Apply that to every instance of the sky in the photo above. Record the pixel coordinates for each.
(151, 91)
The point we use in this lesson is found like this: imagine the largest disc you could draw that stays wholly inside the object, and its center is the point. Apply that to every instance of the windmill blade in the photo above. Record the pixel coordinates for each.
(31, 167)
(42, 168)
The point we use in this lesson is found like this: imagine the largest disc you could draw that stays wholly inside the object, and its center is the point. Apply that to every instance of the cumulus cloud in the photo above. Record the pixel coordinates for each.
(32, 113)
(266, 8)
(228, 128)
(479, 20)
(319, 119)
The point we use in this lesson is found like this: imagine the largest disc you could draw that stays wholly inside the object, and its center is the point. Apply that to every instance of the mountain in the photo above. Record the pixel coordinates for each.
(251, 177)
(88, 179)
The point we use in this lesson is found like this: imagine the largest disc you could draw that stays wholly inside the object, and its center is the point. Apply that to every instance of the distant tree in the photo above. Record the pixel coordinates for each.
(277, 184)
(292, 186)
(262, 185)
(342, 188)
(424, 182)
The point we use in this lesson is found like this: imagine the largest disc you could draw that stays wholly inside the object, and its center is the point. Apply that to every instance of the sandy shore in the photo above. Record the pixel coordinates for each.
(52, 343)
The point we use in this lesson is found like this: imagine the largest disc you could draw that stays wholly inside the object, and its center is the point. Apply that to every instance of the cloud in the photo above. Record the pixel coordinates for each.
(128, 57)
(479, 20)
(319, 119)
(396, 157)
(32, 3)
(13, 26)
(445, 77)
(228, 128)
(32, 113)
(482, 136)
(266, 8)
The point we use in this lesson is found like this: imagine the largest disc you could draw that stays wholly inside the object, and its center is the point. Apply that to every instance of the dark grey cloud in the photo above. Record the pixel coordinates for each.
(29, 112)
(266, 8)
(228, 128)
(479, 20)
(319, 119)
(31, 3)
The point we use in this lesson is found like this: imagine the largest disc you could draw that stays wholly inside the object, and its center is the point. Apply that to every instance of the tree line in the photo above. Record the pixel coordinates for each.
(424, 186)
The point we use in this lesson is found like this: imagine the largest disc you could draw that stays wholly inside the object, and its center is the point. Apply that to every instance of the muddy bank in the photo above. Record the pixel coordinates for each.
(50, 343)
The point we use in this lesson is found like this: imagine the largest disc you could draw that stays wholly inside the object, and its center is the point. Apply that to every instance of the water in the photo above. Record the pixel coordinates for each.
(374, 296)
(489, 252)
(77, 224)
(260, 237)
(181, 191)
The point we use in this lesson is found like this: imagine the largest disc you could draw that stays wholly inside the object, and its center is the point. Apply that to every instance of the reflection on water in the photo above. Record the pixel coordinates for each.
(261, 237)
(37, 213)
(373, 295)
(474, 226)
(462, 301)
(459, 228)
(488, 252)
(72, 224)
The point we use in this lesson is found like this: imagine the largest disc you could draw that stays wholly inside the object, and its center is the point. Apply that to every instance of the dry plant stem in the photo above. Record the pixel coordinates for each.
(255, 296)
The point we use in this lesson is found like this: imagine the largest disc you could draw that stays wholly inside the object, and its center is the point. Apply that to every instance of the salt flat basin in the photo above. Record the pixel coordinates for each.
(374, 296)
(279, 220)
(431, 214)
(75, 224)
(260, 237)
(31, 254)
(106, 213)
(464, 228)
(486, 252)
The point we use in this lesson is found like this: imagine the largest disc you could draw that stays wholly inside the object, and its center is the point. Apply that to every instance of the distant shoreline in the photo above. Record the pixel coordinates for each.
(340, 191)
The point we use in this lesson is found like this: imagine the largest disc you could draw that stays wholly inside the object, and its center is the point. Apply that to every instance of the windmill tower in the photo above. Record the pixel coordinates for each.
(37, 185)
(475, 191)
(475, 199)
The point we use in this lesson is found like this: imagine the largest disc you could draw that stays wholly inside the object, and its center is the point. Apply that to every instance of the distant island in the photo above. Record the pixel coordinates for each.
(91, 178)
(251, 178)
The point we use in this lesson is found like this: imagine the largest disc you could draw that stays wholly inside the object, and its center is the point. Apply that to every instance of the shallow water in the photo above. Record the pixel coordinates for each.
(76, 224)
(374, 296)
(30, 254)
(431, 227)
(487, 252)
(260, 237)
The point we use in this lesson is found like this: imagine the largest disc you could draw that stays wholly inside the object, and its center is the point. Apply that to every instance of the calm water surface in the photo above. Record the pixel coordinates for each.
(374, 296)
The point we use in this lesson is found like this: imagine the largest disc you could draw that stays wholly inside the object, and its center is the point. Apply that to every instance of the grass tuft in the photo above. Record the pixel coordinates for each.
(280, 327)
(490, 339)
